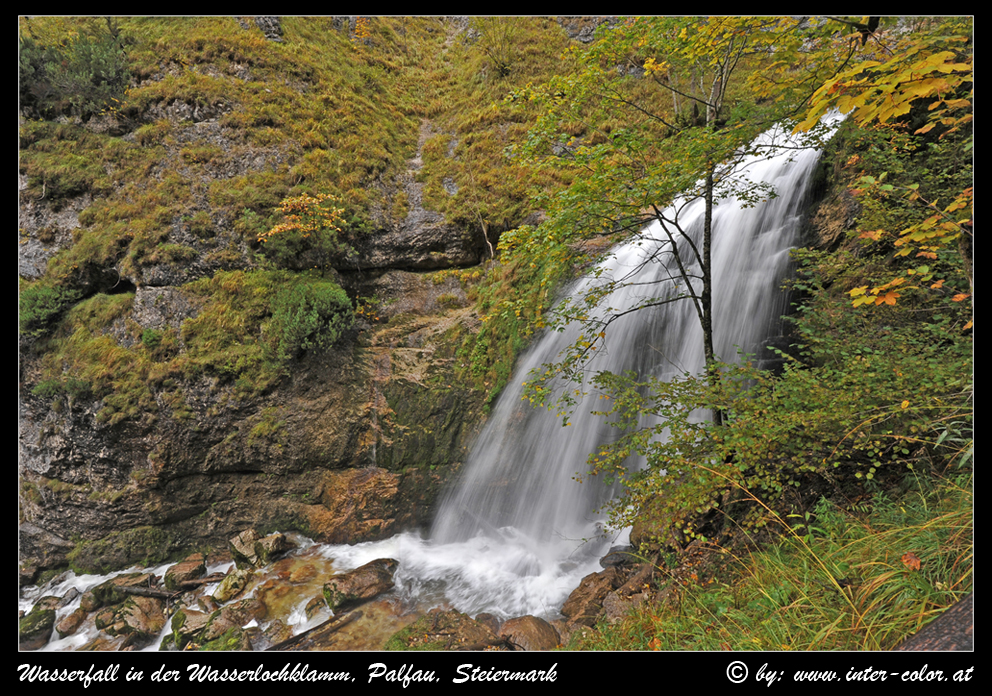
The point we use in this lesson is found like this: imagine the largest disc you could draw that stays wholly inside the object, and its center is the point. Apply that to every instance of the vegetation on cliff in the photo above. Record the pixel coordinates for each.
(873, 406)
(241, 173)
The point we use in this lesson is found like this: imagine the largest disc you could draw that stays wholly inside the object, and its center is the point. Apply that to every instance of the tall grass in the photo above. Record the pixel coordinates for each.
(857, 579)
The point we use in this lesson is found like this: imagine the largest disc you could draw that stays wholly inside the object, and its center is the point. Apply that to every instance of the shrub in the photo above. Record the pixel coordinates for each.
(82, 73)
(41, 306)
(310, 315)
(309, 235)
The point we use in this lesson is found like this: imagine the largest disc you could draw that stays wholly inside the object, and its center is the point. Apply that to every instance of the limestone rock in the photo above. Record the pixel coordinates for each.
(355, 503)
(109, 593)
(270, 27)
(267, 549)
(143, 618)
(187, 624)
(243, 549)
(232, 585)
(443, 629)
(36, 628)
(356, 586)
(618, 555)
(585, 605)
(71, 623)
(530, 633)
(193, 567)
(244, 611)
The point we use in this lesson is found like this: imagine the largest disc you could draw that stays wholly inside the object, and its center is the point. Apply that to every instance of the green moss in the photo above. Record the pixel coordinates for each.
(144, 546)
(233, 639)
(36, 624)
(401, 640)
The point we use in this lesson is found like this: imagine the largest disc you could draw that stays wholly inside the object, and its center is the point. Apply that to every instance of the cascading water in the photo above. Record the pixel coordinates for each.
(517, 514)
(518, 533)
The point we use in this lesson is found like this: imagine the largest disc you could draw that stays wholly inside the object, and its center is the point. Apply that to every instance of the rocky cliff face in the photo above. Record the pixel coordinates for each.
(353, 444)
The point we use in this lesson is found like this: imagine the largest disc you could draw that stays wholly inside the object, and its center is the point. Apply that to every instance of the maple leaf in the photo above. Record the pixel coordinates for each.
(888, 298)
(910, 560)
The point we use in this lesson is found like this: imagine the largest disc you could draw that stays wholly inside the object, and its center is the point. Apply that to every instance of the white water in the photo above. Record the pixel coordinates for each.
(518, 533)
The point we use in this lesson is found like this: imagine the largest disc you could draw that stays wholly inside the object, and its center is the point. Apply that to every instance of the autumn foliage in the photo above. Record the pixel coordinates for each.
(918, 88)
(309, 235)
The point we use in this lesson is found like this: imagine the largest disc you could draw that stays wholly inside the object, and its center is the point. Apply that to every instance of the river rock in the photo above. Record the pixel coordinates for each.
(585, 605)
(530, 633)
(109, 593)
(194, 566)
(267, 549)
(313, 607)
(142, 619)
(36, 628)
(187, 624)
(71, 623)
(232, 585)
(244, 611)
(443, 629)
(234, 639)
(489, 620)
(106, 620)
(243, 549)
(364, 583)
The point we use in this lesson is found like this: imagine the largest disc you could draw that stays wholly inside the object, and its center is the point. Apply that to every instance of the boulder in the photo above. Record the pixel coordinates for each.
(359, 585)
(243, 549)
(187, 625)
(530, 633)
(71, 623)
(619, 555)
(194, 566)
(444, 630)
(109, 593)
(232, 585)
(267, 549)
(36, 628)
(585, 604)
(142, 619)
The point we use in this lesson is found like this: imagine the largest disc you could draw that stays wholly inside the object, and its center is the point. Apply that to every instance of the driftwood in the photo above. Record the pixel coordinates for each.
(169, 594)
(328, 627)
(205, 580)
(148, 592)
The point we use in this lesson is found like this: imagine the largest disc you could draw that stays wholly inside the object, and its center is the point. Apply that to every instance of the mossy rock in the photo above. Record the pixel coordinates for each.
(35, 628)
(442, 630)
(141, 546)
(235, 638)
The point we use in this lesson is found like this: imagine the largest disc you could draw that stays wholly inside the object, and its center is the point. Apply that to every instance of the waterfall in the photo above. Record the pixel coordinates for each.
(517, 499)
(517, 534)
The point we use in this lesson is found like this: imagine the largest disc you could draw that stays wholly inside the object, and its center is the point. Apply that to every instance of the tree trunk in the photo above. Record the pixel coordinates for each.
(707, 294)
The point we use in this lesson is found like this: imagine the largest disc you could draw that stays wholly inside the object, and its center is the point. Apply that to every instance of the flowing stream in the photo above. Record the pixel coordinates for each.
(517, 533)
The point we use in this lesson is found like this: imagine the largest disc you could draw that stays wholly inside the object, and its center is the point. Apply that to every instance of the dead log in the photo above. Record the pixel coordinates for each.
(325, 629)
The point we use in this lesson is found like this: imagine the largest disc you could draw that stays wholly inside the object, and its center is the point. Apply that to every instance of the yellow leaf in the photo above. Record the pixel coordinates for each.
(888, 298)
